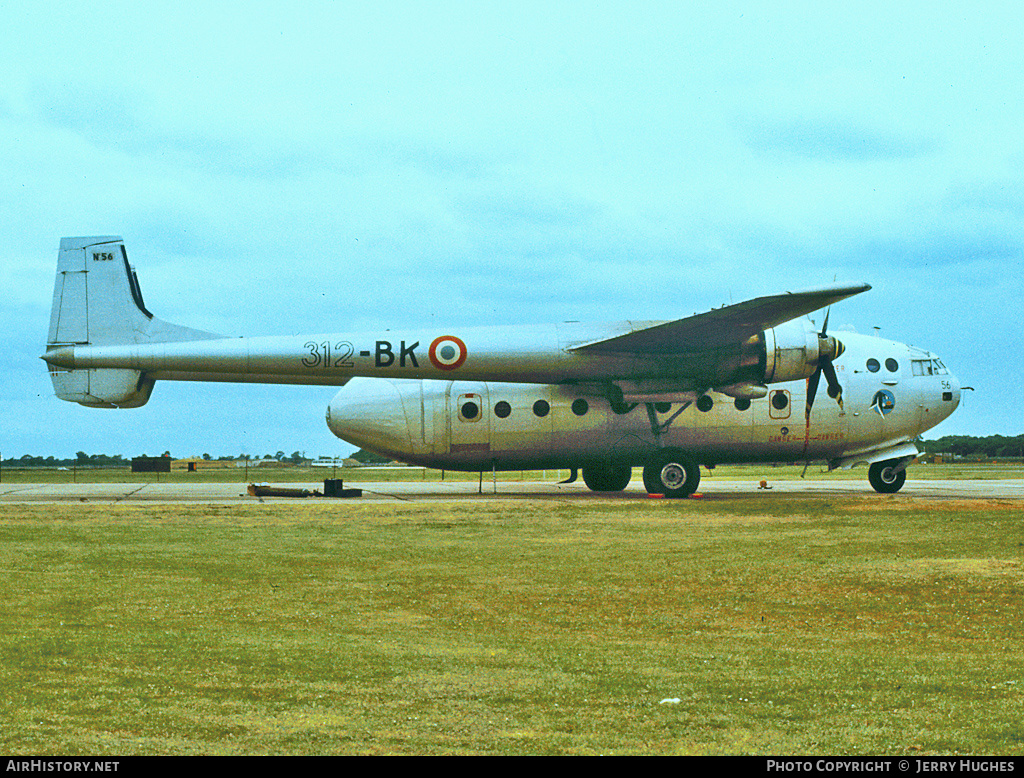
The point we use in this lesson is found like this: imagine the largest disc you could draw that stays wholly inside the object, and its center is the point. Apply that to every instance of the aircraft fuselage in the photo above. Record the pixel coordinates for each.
(891, 394)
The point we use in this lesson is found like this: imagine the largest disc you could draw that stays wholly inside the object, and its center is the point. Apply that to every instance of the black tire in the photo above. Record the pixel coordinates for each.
(673, 473)
(884, 479)
(607, 476)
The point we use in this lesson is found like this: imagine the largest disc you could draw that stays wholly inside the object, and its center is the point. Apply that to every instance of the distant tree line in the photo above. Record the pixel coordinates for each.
(970, 447)
(82, 459)
(369, 458)
(967, 446)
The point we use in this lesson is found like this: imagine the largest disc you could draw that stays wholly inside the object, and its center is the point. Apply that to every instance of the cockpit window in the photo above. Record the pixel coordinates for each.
(928, 367)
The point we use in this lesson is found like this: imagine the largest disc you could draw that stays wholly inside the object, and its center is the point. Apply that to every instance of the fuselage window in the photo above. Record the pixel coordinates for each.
(780, 400)
(580, 406)
(662, 407)
(873, 365)
(541, 408)
(892, 365)
(704, 403)
(741, 403)
(502, 410)
(470, 411)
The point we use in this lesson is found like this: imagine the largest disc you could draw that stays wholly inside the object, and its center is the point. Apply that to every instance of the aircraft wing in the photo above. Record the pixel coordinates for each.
(722, 326)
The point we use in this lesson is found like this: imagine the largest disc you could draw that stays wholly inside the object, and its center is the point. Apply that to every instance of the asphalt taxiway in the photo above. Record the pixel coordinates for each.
(418, 491)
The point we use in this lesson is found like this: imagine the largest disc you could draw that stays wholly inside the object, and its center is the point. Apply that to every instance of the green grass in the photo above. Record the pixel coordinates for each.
(863, 625)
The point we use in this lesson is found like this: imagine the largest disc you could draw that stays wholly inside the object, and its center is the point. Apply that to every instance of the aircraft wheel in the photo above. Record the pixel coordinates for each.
(672, 473)
(883, 477)
(607, 477)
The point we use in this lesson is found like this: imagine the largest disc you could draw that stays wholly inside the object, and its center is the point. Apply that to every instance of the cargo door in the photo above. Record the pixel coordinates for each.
(468, 422)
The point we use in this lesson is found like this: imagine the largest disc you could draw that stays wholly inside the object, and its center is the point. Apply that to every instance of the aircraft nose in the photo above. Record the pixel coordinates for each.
(954, 389)
(369, 413)
(950, 388)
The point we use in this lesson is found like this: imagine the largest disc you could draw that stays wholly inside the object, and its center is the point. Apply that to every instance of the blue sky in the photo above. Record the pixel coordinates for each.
(279, 168)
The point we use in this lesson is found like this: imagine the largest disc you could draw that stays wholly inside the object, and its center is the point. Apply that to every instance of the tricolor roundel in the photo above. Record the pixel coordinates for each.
(447, 352)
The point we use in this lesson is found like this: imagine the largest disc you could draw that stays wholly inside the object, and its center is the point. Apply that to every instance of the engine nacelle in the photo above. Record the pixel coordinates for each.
(788, 352)
(793, 350)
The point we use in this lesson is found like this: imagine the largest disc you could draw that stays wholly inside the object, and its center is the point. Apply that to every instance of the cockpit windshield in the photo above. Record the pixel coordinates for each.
(928, 367)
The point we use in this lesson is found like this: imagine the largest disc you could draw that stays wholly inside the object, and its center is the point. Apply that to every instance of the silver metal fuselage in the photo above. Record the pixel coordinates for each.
(891, 394)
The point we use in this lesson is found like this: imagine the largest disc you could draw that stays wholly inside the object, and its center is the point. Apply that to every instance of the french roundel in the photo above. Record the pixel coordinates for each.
(447, 352)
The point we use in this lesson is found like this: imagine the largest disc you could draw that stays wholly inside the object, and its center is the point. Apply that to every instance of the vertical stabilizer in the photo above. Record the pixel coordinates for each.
(97, 301)
(95, 297)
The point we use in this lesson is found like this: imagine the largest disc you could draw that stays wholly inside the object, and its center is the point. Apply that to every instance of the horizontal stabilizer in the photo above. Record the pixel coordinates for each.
(102, 387)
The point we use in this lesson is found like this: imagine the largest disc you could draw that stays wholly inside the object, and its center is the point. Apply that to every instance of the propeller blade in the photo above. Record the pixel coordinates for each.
(812, 389)
(835, 390)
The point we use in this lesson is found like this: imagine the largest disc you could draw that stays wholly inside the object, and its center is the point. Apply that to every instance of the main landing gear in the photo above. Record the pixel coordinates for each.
(668, 471)
(671, 472)
(607, 476)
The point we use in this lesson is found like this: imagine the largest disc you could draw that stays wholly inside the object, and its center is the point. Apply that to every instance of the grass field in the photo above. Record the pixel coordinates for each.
(861, 625)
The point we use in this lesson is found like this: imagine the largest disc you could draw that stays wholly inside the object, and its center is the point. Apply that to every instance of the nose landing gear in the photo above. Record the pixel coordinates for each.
(887, 477)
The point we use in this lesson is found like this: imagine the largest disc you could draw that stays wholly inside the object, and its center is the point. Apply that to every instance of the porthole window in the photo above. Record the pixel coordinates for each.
(541, 408)
(780, 400)
(705, 403)
(470, 411)
(662, 407)
(580, 406)
(502, 410)
(892, 365)
(741, 403)
(873, 365)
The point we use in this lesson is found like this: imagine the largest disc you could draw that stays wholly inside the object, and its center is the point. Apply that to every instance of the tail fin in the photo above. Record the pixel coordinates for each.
(97, 301)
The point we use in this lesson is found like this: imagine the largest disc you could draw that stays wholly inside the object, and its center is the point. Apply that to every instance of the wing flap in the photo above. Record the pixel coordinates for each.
(722, 326)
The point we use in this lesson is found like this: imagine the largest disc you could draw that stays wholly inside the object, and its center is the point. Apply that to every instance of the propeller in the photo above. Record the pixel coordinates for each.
(828, 349)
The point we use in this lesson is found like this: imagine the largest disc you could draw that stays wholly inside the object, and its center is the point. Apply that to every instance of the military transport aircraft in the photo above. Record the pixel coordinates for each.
(735, 384)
